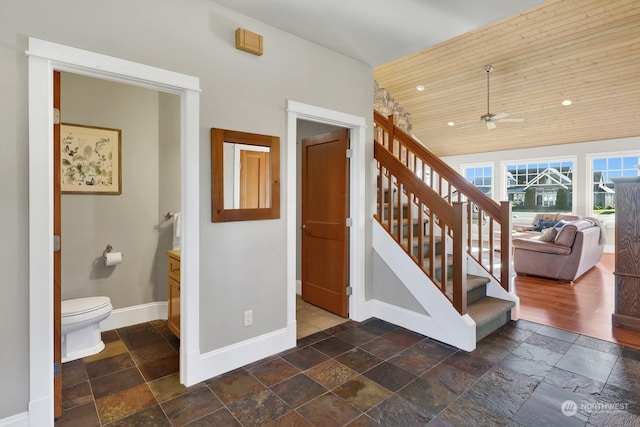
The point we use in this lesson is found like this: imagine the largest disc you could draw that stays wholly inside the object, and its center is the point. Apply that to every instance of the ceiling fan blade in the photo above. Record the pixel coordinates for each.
(519, 120)
(499, 116)
(491, 125)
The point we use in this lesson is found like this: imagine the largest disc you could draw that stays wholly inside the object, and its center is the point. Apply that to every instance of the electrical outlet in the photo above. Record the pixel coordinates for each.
(248, 318)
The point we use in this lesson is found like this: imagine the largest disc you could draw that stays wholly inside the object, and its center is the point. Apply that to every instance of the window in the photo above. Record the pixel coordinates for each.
(540, 186)
(481, 176)
(603, 169)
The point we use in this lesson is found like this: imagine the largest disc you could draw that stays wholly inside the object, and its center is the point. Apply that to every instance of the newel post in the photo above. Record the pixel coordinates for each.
(460, 230)
(505, 245)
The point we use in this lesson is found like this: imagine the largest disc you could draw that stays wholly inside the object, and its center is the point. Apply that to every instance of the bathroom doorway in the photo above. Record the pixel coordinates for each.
(133, 221)
(44, 58)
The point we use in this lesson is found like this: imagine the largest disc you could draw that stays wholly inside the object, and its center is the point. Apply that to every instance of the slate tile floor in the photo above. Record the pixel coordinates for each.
(363, 374)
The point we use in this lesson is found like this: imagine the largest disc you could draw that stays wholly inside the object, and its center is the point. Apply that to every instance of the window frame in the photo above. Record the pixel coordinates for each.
(589, 159)
(465, 166)
(537, 160)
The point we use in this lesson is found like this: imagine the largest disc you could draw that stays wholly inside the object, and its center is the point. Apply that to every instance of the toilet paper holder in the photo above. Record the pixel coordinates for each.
(108, 249)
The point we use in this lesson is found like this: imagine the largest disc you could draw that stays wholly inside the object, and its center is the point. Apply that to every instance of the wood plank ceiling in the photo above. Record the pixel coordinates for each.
(587, 51)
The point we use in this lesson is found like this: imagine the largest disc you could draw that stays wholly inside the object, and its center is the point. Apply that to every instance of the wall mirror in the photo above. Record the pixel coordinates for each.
(245, 176)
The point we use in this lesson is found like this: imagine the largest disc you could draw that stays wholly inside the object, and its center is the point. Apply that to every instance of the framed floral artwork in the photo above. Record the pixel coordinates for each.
(90, 160)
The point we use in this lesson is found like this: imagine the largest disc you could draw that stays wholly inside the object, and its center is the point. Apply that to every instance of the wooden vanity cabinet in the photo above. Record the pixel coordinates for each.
(173, 318)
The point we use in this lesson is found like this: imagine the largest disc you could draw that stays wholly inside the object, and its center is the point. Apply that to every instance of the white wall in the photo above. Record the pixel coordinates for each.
(242, 263)
(131, 221)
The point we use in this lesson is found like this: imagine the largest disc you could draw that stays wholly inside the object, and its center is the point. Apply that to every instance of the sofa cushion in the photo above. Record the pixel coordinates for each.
(567, 233)
(538, 246)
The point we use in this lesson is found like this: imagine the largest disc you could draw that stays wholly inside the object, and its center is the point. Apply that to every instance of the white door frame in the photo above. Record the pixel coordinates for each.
(44, 58)
(357, 139)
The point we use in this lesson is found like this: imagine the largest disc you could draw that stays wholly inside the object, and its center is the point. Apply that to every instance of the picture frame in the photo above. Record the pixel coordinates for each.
(90, 159)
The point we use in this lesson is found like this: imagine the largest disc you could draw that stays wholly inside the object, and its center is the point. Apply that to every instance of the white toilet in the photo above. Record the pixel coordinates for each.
(81, 319)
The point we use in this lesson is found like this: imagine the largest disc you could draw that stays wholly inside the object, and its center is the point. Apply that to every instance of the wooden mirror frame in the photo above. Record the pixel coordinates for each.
(218, 212)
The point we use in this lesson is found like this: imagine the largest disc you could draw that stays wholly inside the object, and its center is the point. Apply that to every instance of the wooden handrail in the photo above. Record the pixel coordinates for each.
(471, 222)
(413, 184)
(451, 175)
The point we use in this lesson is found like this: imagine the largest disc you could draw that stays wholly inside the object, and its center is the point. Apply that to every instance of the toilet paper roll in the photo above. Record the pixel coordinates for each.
(113, 258)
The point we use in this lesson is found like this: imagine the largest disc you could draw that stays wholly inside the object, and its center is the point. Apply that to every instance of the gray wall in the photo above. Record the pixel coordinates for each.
(387, 287)
(168, 182)
(239, 91)
(131, 221)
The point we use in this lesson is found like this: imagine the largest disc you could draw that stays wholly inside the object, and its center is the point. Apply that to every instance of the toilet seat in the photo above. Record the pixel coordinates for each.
(78, 306)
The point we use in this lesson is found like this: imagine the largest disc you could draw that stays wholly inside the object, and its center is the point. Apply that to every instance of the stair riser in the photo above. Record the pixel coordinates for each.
(500, 320)
(475, 294)
(405, 211)
(416, 229)
(425, 249)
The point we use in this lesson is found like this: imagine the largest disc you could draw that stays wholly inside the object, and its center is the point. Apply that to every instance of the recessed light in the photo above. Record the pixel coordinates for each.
(566, 102)
(451, 124)
(420, 88)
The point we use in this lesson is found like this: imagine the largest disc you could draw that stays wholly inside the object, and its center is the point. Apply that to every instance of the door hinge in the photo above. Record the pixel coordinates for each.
(349, 222)
(349, 153)
(349, 290)
(56, 369)
(56, 116)
(56, 243)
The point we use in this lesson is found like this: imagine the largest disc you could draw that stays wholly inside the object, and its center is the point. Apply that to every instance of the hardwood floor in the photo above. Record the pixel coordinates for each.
(583, 306)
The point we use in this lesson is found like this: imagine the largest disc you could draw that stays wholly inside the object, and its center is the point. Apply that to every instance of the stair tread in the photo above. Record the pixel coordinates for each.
(487, 308)
(473, 281)
(425, 240)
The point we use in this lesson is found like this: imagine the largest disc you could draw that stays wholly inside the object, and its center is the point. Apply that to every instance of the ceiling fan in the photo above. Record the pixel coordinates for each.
(491, 119)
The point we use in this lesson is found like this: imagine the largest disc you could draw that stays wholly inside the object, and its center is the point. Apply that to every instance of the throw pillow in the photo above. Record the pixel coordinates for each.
(548, 235)
(566, 235)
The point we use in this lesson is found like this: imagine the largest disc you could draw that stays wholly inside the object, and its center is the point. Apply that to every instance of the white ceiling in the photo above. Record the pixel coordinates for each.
(377, 31)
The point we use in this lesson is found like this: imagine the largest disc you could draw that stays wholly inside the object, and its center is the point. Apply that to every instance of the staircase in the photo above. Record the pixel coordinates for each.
(451, 233)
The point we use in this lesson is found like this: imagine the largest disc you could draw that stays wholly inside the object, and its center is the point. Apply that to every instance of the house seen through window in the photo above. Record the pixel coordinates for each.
(540, 186)
(605, 168)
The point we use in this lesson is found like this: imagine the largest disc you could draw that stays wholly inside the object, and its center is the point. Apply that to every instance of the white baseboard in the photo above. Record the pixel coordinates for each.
(122, 317)
(213, 363)
(18, 420)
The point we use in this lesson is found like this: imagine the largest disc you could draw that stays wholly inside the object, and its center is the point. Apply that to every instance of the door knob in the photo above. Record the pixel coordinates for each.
(303, 227)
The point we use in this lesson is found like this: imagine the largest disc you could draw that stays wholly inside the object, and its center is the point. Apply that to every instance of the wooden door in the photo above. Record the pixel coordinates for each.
(325, 208)
(254, 180)
(57, 258)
